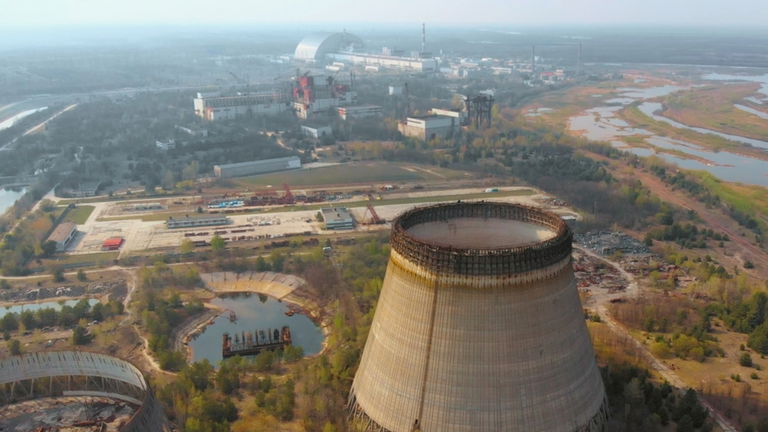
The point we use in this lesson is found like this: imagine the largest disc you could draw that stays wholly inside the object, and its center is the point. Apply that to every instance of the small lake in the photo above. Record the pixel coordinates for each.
(254, 313)
(8, 197)
(18, 308)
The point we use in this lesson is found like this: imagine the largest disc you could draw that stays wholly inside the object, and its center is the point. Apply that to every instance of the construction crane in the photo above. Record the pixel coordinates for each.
(240, 80)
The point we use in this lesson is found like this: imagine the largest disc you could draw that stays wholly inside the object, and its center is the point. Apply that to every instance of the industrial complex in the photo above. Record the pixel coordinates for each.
(346, 48)
(214, 106)
(479, 327)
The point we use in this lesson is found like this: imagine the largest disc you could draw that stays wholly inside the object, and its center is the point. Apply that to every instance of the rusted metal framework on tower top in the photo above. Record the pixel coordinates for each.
(480, 261)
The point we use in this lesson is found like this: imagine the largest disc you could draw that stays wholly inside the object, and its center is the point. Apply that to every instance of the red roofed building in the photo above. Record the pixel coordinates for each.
(112, 243)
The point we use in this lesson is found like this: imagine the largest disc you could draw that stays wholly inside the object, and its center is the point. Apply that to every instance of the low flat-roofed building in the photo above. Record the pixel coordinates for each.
(256, 167)
(359, 111)
(455, 113)
(166, 145)
(215, 107)
(316, 131)
(338, 218)
(112, 243)
(196, 221)
(429, 127)
(63, 235)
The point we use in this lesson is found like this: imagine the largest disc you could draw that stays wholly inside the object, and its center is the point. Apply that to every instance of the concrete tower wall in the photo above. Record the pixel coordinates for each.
(462, 345)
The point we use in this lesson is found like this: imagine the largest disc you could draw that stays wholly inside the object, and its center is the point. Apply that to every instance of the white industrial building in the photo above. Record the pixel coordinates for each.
(196, 221)
(305, 110)
(166, 145)
(216, 107)
(416, 64)
(316, 131)
(429, 127)
(345, 48)
(63, 235)
(359, 111)
(256, 167)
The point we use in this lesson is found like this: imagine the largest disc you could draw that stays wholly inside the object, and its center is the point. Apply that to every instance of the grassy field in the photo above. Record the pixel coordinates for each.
(713, 108)
(79, 214)
(752, 200)
(68, 261)
(354, 173)
(351, 204)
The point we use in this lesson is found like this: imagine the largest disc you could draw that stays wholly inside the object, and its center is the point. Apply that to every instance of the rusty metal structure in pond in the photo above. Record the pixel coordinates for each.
(478, 327)
(253, 343)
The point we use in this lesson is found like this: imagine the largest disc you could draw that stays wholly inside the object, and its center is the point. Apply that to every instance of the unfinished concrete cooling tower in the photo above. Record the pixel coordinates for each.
(479, 327)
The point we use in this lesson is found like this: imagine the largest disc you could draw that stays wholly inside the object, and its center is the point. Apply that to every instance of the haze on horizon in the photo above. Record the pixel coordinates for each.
(70, 13)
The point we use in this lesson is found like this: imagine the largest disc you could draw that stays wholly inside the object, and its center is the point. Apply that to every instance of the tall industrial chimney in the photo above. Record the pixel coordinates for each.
(423, 38)
(479, 328)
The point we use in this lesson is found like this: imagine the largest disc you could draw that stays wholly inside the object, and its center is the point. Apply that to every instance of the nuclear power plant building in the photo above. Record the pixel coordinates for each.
(479, 328)
(347, 48)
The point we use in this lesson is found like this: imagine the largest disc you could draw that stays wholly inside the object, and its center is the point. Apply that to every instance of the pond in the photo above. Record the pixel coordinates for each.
(56, 305)
(254, 312)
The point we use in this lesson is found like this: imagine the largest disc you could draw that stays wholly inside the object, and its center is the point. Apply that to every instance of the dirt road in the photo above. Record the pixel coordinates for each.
(601, 302)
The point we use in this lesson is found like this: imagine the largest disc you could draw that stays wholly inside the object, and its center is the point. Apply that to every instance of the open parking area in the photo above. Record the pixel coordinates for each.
(145, 228)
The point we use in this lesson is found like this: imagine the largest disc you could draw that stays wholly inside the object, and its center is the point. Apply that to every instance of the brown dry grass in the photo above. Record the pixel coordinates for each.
(712, 107)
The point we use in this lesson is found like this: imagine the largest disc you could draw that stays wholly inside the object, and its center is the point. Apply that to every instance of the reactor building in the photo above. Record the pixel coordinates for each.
(346, 48)
(479, 328)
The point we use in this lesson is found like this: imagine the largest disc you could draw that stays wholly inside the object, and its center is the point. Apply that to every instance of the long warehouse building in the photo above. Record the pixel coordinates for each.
(256, 167)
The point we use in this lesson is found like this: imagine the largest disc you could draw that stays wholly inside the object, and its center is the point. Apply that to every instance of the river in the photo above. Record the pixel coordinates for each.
(651, 109)
(602, 123)
(5, 124)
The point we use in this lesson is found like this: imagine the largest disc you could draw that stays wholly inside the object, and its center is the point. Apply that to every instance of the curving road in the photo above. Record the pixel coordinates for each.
(633, 290)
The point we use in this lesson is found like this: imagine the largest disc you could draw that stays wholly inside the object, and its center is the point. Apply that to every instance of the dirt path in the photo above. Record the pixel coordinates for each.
(633, 290)
(130, 319)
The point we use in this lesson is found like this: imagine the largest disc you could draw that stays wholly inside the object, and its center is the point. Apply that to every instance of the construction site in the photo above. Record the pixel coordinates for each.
(76, 392)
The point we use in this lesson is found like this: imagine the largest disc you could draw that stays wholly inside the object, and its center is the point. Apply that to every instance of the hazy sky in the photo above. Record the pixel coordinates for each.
(26, 13)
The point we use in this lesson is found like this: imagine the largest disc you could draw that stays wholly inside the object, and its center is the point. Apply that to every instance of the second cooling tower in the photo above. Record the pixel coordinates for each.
(479, 328)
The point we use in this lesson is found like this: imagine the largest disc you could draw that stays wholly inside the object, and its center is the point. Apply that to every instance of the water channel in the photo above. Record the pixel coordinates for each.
(55, 305)
(9, 122)
(254, 312)
(652, 108)
(603, 124)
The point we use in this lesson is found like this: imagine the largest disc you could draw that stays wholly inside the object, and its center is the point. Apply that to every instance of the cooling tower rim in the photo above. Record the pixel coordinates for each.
(519, 258)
